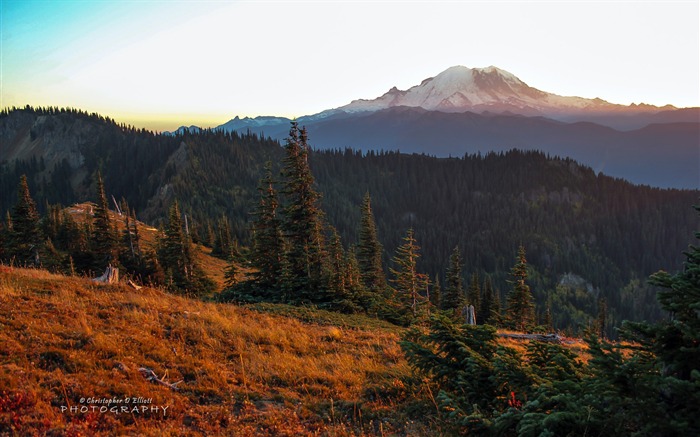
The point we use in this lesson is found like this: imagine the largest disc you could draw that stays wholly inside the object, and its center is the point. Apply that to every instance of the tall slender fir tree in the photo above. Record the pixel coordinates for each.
(104, 240)
(267, 254)
(474, 293)
(303, 220)
(453, 293)
(24, 234)
(369, 250)
(408, 283)
(520, 308)
(176, 254)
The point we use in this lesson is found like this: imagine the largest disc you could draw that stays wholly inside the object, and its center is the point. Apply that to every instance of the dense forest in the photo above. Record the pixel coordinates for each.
(589, 238)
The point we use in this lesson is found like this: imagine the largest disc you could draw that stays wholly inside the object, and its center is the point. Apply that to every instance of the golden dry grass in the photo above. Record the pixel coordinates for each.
(243, 373)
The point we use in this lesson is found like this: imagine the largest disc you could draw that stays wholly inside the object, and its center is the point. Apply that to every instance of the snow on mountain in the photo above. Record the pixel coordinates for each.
(460, 89)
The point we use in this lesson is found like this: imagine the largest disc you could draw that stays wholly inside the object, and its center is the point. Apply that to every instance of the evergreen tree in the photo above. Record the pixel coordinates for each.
(520, 309)
(342, 295)
(231, 274)
(436, 293)
(177, 257)
(75, 239)
(474, 294)
(353, 279)
(209, 236)
(547, 322)
(267, 254)
(103, 239)
(496, 317)
(369, 251)
(51, 222)
(135, 235)
(128, 248)
(453, 293)
(602, 316)
(408, 283)
(487, 303)
(303, 220)
(24, 234)
(223, 243)
(672, 376)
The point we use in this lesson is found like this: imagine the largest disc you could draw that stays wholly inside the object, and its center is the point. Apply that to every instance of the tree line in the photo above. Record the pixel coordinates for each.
(298, 258)
(648, 384)
(590, 238)
(86, 242)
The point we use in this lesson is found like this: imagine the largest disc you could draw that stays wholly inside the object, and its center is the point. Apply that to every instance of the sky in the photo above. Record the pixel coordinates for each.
(162, 64)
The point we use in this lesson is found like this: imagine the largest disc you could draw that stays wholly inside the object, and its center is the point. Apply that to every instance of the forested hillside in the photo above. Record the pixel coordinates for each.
(587, 235)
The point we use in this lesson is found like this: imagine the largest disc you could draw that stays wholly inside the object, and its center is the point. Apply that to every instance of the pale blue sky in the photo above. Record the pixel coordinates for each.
(161, 64)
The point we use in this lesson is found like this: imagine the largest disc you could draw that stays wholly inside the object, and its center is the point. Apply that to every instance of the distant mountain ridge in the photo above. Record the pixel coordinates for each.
(468, 110)
(571, 219)
(460, 89)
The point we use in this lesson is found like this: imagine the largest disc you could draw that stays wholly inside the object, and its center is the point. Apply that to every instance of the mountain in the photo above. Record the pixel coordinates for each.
(256, 124)
(469, 110)
(182, 129)
(571, 218)
(662, 154)
(460, 89)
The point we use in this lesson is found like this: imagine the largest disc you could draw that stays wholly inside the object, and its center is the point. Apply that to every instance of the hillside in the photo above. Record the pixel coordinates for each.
(242, 372)
(480, 110)
(587, 235)
(215, 267)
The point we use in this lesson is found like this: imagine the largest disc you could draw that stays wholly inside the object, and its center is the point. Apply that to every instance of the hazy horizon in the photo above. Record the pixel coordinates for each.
(161, 65)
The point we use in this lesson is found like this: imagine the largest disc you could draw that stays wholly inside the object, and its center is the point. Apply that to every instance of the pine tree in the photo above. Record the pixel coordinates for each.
(303, 220)
(602, 316)
(103, 239)
(135, 235)
(520, 312)
(267, 254)
(341, 293)
(496, 316)
(223, 243)
(176, 255)
(474, 293)
(407, 281)
(548, 323)
(51, 222)
(131, 255)
(24, 234)
(353, 280)
(453, 294)
(436, 293)
(487, 303)
(75, 239)
(649, 384)
(231, 274)
(128, 248)
(369, 251)
(334, 266)
(520, 309)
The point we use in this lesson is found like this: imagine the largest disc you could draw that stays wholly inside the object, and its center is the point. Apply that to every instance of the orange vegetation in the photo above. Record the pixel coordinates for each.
(67, 343)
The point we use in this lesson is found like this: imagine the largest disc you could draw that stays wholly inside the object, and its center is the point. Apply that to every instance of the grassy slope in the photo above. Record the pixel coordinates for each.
(215, 267)
(244, 372)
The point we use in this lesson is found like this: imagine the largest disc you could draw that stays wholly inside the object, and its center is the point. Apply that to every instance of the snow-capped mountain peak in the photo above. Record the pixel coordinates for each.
(461, 88)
